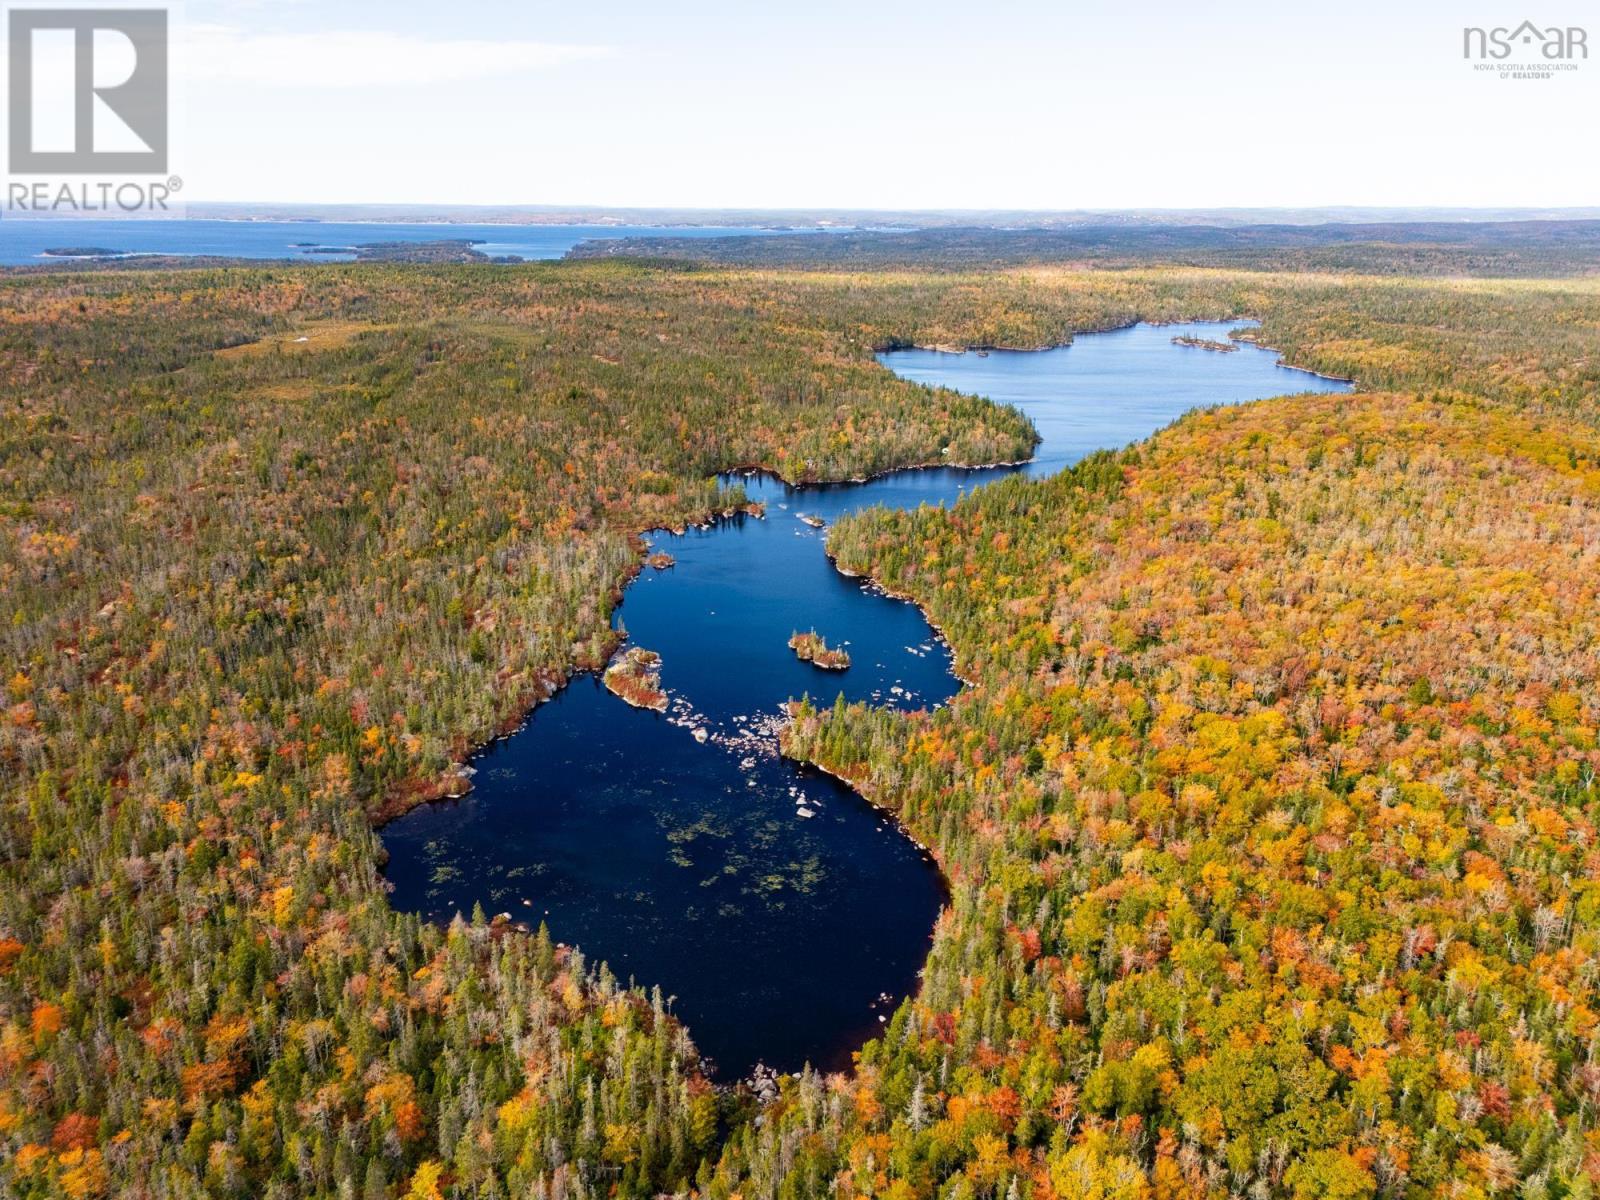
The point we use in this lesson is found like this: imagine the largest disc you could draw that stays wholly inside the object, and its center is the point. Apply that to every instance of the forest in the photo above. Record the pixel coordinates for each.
(1498, 249)
(1269, 813)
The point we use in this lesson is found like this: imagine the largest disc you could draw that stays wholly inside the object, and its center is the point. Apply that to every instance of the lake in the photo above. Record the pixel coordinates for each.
(786, 915)
(24, 242)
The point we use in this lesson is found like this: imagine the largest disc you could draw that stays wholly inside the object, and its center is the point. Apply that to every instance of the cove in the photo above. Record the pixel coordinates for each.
(785, 915)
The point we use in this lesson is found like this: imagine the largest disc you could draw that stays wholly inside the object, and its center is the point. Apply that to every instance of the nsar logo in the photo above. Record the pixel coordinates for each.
(1556, 44)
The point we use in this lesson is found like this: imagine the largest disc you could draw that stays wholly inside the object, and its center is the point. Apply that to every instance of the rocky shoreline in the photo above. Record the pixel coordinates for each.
(636, 678)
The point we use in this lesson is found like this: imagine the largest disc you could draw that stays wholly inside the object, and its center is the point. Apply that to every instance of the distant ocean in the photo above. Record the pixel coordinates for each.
(24, 242)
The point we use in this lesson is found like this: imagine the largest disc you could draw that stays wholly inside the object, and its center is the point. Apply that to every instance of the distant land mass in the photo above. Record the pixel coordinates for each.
(1485, 248)
(440, 251)
(81, 252)
(1482, 249)
(803, 218)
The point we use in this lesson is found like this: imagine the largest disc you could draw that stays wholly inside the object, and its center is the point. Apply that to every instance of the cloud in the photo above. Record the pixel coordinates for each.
(360, 59)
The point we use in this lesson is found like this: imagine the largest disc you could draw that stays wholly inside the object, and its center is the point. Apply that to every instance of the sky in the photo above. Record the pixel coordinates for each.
(1009, 104)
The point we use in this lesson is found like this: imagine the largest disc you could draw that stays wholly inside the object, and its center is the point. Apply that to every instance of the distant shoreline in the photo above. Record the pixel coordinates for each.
(448, 223)
(780, 218)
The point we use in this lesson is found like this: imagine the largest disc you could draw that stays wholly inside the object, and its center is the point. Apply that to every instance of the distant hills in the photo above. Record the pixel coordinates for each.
(1484, 248)
(534, 214)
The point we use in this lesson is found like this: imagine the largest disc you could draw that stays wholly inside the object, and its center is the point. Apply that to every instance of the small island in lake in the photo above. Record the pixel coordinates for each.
(82, 252)
(1200, 343)
(661, 560)
(814, 522)
(811, 648)
(636, 678)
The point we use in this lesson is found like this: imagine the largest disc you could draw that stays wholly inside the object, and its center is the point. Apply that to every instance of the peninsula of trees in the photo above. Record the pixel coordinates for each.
(636, 678)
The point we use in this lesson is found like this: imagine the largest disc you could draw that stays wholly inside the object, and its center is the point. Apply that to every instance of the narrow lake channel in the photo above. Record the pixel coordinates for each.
(784, 914)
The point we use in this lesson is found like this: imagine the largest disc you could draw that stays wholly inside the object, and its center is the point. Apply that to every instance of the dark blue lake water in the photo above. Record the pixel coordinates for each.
(24, 242)
(785, 914)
